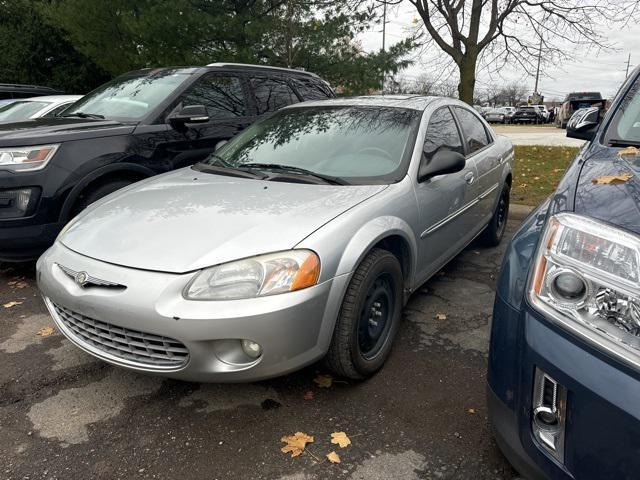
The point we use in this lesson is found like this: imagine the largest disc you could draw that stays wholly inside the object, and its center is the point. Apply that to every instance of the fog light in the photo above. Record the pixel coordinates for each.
(251, 348)
(549, 412)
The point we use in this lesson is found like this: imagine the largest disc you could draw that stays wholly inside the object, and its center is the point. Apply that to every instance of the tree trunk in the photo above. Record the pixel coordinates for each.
(466, 87)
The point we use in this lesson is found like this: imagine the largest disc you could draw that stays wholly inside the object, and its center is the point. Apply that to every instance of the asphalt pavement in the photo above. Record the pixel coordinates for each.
(64, 415)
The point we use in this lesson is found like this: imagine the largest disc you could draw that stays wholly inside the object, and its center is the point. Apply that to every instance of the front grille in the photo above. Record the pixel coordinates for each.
(143, 349)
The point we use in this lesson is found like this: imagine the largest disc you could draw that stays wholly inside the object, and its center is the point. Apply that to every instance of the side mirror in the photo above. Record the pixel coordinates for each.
(584, 123)
(189, 114)
(443, 162)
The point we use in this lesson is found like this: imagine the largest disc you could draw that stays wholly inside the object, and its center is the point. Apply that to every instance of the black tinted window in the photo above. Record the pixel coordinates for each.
(311, 90)
(272, 94)
(472, 129)
(442, 134)
(221, 95)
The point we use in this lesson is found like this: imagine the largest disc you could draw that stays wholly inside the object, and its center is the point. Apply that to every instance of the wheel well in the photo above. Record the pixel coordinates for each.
(399, 247)
(131, 175)
(509, 180)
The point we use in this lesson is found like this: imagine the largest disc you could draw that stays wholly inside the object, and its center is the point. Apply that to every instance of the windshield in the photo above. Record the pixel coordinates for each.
(625, 126)
(130, 97)
(354, 143)
(19, 111)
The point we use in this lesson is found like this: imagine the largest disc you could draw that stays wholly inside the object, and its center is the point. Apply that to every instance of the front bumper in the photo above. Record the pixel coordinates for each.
(294, 329)
(20, 243)
(602, 433)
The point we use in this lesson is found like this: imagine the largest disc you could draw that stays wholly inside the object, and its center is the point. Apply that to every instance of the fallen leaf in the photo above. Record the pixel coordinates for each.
(471, 410)
(46, 331)
(21, 284)
(629, 151)
(333, 457)
(324, 381)
(441, 316)
(296, 443)
(612, 179)
(308, 395)
(11, 304)
(341, 439)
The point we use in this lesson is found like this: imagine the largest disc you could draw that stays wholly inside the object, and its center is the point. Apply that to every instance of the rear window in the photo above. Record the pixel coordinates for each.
(473, 129)
(311, 90)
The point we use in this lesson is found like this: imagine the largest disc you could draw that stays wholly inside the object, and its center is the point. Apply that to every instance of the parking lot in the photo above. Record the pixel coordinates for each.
(65, 415)
(547, 135)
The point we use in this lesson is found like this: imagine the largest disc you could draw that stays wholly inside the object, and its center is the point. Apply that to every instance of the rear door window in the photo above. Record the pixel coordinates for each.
(222, 96)
(472, 129)
(272, 94)
(310, 90)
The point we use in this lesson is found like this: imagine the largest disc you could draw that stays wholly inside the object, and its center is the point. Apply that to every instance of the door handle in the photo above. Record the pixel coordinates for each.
(469, 178)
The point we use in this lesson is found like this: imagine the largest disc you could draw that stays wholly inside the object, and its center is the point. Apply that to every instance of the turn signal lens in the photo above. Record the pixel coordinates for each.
(307, 274)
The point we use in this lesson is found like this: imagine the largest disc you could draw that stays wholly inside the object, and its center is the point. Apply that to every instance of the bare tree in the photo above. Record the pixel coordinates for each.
(514, 32)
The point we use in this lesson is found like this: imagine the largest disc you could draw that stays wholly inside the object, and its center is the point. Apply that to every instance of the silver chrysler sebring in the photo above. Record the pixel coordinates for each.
(300, 239)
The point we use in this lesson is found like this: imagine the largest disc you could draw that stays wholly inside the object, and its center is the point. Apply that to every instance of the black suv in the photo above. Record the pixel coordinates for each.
(140, 124)
(527, 115)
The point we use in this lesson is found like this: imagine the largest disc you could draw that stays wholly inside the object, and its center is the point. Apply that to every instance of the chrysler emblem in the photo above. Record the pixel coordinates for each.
(81, 278)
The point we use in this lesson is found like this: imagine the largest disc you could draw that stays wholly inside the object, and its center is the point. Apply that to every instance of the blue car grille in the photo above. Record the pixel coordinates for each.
(139, 348)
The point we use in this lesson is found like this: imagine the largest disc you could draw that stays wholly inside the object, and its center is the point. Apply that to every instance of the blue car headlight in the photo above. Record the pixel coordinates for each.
(587, 277)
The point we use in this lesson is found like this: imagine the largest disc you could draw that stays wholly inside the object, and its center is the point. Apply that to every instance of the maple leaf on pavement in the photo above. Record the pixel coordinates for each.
(341, 439)
(296, 443)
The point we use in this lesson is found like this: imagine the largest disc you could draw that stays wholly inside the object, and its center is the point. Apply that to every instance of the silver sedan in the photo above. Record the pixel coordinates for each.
(300, 239)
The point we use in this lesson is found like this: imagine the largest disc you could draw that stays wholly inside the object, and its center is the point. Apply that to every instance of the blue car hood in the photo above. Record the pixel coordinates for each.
(616, 203)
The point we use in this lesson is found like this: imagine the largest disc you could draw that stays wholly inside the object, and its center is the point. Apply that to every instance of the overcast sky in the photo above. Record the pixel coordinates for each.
(604, 73)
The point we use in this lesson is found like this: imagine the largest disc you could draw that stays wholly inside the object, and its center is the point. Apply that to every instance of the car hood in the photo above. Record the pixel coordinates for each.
(59, 129)
(187, 220)
(616, 203)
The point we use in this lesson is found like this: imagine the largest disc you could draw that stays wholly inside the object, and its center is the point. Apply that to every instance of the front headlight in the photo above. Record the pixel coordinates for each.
(26, 159)
(256, 276)
(587, 277)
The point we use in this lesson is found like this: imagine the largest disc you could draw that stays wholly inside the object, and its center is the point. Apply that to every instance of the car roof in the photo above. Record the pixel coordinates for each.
(51, 98)
(262, 68)
(16, 87)
(414, 102)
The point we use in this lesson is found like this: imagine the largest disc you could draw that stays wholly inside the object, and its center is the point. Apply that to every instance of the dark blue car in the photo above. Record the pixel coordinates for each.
(564, 363)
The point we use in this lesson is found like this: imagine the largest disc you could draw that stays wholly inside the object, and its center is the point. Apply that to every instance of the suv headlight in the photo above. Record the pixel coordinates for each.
(587, 277)
(256, 276)
(26, 159)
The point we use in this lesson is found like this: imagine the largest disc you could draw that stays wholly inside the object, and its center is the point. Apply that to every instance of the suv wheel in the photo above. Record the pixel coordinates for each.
(369, 317)
(93, 194)
(494, 232)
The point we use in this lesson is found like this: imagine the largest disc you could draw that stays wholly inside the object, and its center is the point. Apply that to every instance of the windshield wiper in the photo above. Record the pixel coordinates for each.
(231, 171)
(623, 143)
(84, 115)
(302, 171)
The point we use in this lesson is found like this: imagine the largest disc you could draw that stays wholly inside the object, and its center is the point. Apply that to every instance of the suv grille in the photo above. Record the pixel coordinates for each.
(143, 349)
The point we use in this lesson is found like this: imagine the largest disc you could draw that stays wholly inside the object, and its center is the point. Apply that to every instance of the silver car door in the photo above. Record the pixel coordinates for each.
(486, 155)
(445, 202)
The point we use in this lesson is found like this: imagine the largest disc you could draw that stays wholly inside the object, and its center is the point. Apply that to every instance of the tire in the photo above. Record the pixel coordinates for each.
(493, 233)
(360, 347)
(93, 194)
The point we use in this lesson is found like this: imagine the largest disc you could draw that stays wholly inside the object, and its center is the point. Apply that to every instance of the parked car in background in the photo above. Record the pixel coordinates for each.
(138, 125)
(12, 91)
(526, 115)
(542, 111)
(564, 361)
(495, 115)
(576, 101)
(36, 107)
(509, 113)
(300, 238)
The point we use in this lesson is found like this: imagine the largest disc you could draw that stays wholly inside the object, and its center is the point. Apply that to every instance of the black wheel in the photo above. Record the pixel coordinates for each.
(369, 317)
(494, 232)
(96, 193)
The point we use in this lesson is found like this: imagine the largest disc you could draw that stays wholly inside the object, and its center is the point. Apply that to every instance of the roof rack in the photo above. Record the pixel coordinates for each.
(266, 67)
